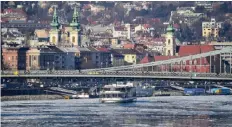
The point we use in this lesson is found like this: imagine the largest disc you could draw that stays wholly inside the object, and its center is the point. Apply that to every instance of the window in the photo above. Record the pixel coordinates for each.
(169, 52)
(30, 60)
(12, 58)
(190, 62)
(195, 62)
(53, 39)
(169, 41)
(73, 39)
(184, 62)
(34, 58)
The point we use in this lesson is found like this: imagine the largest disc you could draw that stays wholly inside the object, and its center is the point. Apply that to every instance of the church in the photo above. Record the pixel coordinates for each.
(65, 37)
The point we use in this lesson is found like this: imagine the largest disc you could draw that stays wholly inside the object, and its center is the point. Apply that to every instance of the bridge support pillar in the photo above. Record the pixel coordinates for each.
(200, 64)
(230, 62)
(224, 64)
(220, 63)
(210, 62)
(181, 67)
(171, 67)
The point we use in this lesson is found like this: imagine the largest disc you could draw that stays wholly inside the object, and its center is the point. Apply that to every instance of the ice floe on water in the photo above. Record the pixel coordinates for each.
(171, 111)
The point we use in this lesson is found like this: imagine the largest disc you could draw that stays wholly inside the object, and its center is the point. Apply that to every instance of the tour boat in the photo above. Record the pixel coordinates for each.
(81, 95)
(118, 93)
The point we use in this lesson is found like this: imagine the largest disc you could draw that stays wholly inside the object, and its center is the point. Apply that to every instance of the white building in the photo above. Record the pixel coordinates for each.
(212, 24)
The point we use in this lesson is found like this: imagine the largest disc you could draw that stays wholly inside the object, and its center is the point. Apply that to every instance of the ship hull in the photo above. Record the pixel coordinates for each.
(117, 100)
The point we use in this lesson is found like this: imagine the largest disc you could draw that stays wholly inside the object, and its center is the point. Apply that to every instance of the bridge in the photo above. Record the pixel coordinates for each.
(152, 70)
(122, 74)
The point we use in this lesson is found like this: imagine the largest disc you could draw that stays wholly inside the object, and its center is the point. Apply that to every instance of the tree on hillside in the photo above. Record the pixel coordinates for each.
(226, 31)
(200, 9)
(185, 33)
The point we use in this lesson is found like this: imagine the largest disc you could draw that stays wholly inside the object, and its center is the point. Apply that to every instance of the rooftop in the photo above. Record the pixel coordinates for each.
(194, 49)
(41, 33)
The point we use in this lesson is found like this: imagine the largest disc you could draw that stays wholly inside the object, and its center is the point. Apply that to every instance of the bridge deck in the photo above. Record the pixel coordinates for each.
(194, 76)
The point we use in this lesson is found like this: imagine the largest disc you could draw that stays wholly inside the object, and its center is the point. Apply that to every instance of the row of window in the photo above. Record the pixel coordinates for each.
(211, 29)
(132, 57)
(190, 62)
(12, 58)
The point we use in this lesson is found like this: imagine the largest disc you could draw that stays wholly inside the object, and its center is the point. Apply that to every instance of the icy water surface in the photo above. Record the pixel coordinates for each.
(180, 111)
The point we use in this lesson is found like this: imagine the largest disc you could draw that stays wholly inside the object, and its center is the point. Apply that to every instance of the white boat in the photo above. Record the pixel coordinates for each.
(118, 93)
(83, 96)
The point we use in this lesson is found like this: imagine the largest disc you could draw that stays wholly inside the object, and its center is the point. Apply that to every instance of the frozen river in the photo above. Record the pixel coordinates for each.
(179, 111)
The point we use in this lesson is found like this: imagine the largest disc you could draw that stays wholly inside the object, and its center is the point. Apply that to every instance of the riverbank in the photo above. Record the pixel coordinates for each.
(31, 97)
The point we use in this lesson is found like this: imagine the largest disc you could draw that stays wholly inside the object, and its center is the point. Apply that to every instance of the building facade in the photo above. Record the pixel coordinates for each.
(211, 29)
(67, 37)
(32, 59)
(10, 58)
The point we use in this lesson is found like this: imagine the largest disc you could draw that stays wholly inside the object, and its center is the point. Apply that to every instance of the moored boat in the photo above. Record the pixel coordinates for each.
(118, 93)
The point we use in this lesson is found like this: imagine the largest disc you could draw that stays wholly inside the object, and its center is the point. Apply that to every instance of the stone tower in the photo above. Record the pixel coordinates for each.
(54, 33)
(128, 26)
(74, 33)
(170, 44)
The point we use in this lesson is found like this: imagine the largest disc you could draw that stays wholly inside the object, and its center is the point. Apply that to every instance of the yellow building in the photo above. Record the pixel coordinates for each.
(211, 29)
(114, 41)
(130, 58)
(207, 32)
(130, 55)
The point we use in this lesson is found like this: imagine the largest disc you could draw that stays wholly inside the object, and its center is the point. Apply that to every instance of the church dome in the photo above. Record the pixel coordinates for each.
(170, 28)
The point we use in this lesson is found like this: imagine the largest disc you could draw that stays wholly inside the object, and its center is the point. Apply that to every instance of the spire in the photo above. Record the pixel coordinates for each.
(55, 20)
(170, 29)
(75, 22)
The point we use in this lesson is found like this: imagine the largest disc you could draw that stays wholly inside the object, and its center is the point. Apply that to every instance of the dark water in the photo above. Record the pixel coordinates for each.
(195, 111)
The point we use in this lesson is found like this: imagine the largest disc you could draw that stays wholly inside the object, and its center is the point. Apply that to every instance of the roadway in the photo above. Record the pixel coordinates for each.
(120, 74)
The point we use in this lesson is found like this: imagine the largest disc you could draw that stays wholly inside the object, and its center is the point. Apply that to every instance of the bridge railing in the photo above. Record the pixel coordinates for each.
(133, 73)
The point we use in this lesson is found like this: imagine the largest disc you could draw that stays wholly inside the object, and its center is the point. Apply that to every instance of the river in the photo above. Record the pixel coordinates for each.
(174, 111)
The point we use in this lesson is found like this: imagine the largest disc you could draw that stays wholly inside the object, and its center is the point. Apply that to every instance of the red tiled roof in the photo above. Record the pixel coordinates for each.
(102, 49)
(176, 26)
(4, 20)
(94, 22)
(147, 59)
(128, 46)
(194, 49)
(86, 6)
(146, 26)
(19, 11)
(159, 58)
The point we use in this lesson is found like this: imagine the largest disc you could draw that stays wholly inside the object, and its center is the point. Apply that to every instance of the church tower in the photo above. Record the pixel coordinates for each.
(170, 44)
(54, 33)
(74, 33)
